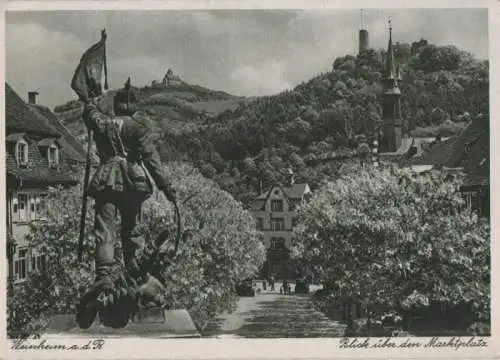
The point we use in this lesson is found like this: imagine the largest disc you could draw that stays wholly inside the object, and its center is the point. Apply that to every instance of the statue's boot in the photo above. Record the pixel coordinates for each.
(116, 314)
(89, 303)
(117, 307)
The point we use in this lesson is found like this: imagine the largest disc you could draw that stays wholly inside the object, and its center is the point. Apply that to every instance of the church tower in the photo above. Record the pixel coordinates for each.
(391, 103)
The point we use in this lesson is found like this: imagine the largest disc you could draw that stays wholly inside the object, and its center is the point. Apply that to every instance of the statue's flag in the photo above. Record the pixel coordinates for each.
(87, 80)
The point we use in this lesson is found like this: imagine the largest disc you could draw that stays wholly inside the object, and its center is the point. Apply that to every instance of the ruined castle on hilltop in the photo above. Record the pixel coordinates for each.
(168, 79)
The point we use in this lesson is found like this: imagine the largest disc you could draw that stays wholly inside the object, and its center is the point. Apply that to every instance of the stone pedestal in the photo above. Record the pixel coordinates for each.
(155, 323)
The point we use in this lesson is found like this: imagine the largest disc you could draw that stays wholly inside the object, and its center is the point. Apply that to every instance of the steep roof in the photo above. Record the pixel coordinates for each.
(26, 122)
(438, 154)
(48, 141)
(464, 150)
(470, 150)
(389, 71)
(258, 204)
(422, 144)
(293, 192)
(72, 149)
(296, 191)
(19, 117)
(38, 172)
(399, 154)
(472, 146)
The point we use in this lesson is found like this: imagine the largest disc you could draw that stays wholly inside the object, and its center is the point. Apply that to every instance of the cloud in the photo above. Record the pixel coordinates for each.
(37, 59)
(247, 52)
(263, 79)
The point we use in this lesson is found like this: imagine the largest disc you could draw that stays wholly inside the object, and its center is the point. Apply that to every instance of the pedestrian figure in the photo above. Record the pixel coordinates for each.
(286, 287)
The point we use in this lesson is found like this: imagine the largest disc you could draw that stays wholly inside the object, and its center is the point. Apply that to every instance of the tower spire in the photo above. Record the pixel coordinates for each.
(391, 103)
(389, 66)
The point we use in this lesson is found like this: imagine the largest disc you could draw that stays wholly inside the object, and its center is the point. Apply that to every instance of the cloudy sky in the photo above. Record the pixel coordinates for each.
(243, 52)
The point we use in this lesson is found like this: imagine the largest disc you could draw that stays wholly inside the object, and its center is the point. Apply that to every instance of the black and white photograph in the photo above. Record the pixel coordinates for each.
(248, 174)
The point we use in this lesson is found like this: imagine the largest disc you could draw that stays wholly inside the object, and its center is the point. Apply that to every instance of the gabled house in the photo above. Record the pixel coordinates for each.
(274, 212)
(39, 154)
(468, 152)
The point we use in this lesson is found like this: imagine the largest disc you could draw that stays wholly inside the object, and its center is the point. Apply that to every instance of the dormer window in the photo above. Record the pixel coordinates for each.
(22, 152)
(53, 155)
(50, 149)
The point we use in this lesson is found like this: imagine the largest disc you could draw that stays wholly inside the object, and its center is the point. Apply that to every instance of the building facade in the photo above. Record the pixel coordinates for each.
(39, 153)
(275, 215)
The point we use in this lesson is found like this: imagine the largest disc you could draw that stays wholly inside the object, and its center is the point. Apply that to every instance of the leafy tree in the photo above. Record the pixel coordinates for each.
(396, 242)
(296, 161)
(402, 52)
(344, 63)
(221, 248)
(438, 116)
(433, 58)
(208, 171)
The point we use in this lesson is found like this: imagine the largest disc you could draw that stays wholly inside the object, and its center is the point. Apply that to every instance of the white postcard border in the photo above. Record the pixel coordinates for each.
(142, 348)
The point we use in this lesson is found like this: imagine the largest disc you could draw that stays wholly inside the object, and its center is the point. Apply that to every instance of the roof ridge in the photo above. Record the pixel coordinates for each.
(67, 136)
(10, 111)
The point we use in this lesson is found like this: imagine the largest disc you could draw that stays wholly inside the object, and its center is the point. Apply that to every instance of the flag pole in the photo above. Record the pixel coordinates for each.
(103, 37)
(85, 195)
(86, 178)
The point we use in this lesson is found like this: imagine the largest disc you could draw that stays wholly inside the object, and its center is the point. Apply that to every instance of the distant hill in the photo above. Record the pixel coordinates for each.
(171, 108)
(245, 144)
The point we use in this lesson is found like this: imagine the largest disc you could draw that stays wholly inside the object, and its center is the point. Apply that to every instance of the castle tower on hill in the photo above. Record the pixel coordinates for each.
(391, 136)
(363, 35)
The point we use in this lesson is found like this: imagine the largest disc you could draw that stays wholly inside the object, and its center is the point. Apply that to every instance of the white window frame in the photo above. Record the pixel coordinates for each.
(275, 202)
(20, 262)
(16, 207)
(468, 201)
(53, 160)
(22, 158)
(472, 201)
(275, 221)
(38, 260)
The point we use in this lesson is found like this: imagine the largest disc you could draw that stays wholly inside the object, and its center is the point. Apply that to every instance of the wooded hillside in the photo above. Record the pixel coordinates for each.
(245, 144)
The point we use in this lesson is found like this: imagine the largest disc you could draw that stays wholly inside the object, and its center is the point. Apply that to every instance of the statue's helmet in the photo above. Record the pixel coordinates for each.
(125, 100)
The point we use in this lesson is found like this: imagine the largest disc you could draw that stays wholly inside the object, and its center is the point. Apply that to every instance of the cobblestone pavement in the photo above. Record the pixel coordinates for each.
(274, 316)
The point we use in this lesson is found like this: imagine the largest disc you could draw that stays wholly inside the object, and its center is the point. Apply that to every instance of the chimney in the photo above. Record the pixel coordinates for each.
(32, 97)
